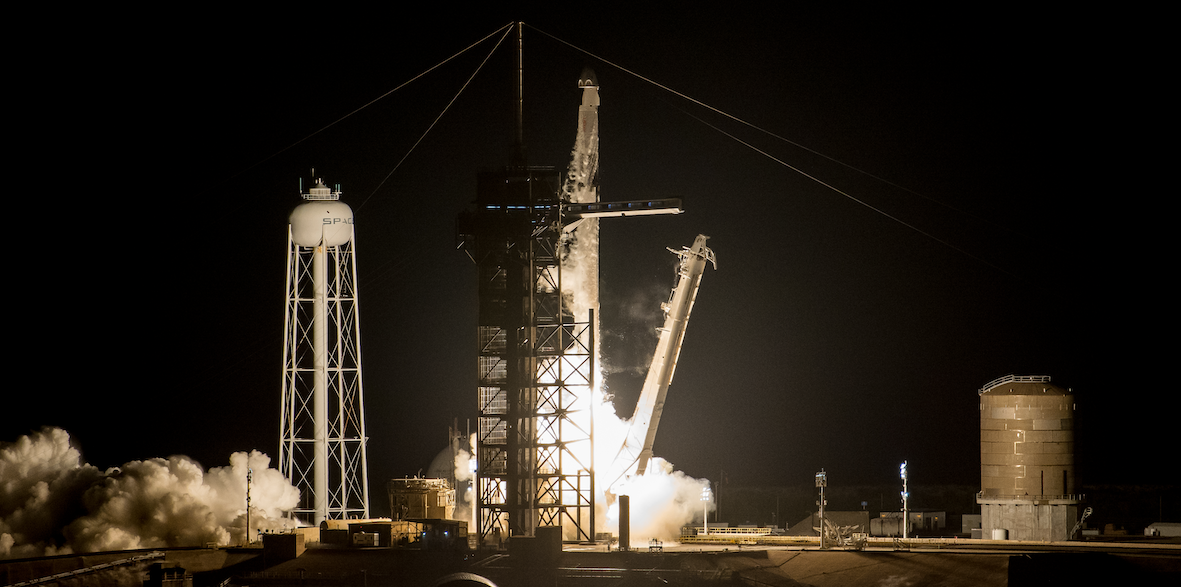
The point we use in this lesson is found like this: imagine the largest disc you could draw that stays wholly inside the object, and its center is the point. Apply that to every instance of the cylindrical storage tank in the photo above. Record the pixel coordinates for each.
(1000, 534)
(1026, 438)
(322, 220)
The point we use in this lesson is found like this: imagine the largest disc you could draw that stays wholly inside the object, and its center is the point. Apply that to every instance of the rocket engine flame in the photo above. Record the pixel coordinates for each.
(52, 502)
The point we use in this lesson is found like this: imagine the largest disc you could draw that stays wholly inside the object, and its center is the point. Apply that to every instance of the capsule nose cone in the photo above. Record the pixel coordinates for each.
(588, 79)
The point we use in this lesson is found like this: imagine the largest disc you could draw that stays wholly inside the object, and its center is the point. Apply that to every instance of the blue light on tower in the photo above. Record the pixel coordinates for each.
(905, 502)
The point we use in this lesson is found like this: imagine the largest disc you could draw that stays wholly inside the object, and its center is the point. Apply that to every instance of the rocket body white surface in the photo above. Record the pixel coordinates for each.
(584, 168)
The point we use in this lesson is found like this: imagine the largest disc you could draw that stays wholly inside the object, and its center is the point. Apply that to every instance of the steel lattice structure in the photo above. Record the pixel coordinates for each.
(535, 365)
(322, 425)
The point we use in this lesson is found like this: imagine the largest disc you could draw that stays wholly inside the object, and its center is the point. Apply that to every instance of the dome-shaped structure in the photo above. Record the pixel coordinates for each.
(443, 465)
(588, 79)
(321, 223)
(322, 220)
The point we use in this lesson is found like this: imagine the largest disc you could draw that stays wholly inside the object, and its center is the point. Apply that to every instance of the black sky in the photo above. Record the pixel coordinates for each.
(832, 335)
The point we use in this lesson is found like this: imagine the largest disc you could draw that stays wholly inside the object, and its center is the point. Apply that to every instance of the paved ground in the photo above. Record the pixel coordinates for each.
(757, 566)
(959, 565)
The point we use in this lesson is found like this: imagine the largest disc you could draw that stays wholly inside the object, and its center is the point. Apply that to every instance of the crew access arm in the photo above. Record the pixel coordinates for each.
(634, 455)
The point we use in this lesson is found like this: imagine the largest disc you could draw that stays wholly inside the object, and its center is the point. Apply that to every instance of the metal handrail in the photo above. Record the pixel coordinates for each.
(1014, 379)
(1028, 497)
(91, 569)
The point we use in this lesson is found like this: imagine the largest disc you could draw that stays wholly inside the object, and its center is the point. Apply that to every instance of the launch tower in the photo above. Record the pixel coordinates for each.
(530, 235)
(533, 442)
(322, 422)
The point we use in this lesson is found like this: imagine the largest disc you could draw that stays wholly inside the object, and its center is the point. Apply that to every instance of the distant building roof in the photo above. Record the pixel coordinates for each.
(1168, 529)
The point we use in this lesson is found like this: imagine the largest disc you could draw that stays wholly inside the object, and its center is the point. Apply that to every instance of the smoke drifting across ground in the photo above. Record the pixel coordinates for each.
(52, 502)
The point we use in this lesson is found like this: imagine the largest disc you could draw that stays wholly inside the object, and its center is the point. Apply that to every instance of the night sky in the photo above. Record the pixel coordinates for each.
(845, 331)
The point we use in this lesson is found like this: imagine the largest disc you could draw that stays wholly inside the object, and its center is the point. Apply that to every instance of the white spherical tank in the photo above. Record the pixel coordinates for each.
(321, 222)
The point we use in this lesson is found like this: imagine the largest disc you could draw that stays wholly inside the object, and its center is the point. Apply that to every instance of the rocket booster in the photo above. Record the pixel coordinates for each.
(585, 166)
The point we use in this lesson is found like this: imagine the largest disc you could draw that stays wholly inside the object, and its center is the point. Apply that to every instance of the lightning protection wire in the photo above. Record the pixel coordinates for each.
(798, 145)
(505, 29)
(763, 130)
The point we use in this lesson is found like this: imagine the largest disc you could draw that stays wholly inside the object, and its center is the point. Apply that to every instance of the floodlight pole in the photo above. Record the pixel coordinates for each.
(821, 482)
(249, 479)
(705, 509)
(905, 503)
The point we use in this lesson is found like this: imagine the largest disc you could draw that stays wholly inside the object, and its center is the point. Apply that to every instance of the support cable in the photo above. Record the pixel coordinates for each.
(508, 29)
(375, 100)
(851, 197)
(758, 128)
(798, 145)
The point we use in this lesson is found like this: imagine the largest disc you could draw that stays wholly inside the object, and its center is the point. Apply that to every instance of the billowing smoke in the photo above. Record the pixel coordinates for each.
(465, 494)
(52, 502)
(662, 501)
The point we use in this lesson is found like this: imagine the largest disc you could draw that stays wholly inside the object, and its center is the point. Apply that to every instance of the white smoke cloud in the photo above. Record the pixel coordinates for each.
(580, 270)
(662, 501)
(42, 479)
(465, 495)
(52, 502)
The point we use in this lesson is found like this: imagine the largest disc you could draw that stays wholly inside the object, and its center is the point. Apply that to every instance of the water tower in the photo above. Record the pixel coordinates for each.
(1027, 472)
(322, 423)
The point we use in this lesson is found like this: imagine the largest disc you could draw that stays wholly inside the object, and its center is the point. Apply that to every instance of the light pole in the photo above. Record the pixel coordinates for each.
(705, 497)
(821, 482)
(905, 503)
(249, 478)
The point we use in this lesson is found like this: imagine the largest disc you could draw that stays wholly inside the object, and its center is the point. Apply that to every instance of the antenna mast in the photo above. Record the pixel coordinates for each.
(520, 141)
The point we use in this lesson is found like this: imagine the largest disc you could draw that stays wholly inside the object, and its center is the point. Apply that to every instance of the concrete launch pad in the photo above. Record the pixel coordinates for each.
(964, 566)
(772, 566)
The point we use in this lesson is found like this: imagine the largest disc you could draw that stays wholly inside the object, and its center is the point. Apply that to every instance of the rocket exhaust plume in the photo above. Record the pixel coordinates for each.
(52, 502)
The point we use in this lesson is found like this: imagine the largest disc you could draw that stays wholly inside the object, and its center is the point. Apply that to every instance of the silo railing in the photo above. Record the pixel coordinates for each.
(1030, 497)
(1014, 379)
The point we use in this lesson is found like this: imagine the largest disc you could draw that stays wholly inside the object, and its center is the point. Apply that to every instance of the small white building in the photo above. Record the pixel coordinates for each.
(890, 523)
(1163, 529)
